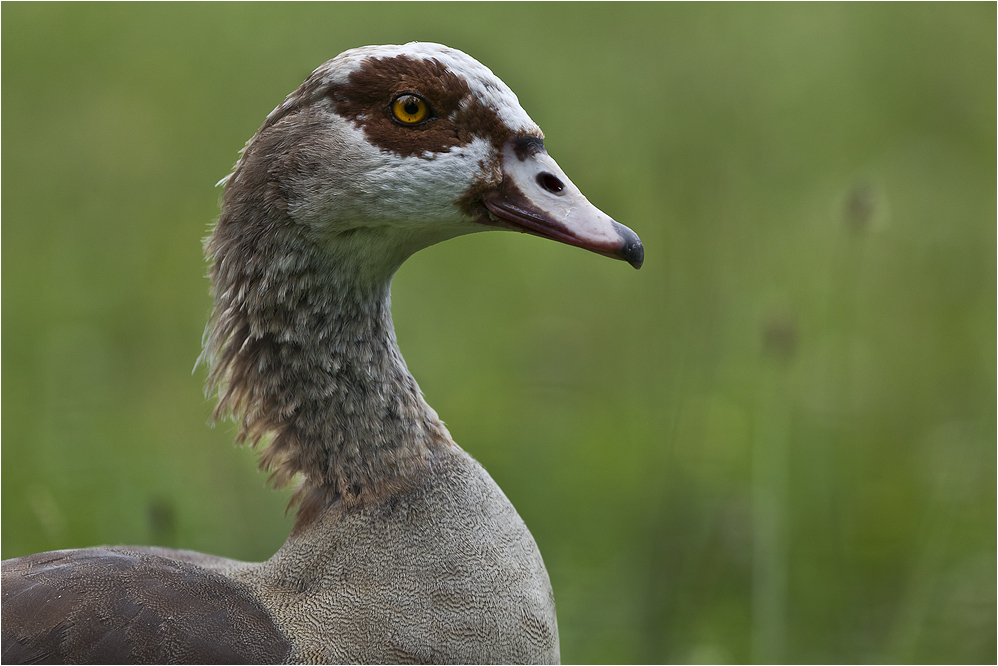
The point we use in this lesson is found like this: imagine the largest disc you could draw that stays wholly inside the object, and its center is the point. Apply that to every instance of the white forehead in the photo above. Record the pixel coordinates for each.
(486, 86)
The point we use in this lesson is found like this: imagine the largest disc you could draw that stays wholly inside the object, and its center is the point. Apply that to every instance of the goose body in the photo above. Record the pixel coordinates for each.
(404, 549)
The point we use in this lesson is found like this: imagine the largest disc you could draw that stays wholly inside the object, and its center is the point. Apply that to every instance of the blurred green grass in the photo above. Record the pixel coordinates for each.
(776, 442)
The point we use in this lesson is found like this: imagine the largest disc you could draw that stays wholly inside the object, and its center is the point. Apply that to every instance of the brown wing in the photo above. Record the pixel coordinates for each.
(115, 606)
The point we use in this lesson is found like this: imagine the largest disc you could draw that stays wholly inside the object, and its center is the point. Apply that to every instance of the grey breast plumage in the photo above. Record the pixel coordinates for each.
(444, 572)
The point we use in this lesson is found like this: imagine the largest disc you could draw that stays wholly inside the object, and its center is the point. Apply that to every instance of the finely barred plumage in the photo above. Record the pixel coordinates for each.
(404, 549)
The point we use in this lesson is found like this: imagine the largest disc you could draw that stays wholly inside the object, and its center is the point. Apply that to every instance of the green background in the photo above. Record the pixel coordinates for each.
(775, 442)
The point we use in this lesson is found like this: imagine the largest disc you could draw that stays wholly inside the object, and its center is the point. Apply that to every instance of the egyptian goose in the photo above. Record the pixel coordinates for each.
(404, 549)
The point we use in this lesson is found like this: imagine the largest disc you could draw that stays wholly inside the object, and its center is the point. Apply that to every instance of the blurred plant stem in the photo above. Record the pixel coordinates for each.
(771, 450)
(770, 481)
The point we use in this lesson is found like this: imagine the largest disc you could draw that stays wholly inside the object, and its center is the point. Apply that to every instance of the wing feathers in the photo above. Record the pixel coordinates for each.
(117, 605)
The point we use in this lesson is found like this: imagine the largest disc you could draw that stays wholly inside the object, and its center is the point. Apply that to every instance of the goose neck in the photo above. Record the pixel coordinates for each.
(303, 352)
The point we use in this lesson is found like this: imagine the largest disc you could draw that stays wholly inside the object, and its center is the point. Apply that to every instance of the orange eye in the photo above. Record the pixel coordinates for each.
(410, 109)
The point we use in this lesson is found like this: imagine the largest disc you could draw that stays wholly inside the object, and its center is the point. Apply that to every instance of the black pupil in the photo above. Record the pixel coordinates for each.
(411, 107)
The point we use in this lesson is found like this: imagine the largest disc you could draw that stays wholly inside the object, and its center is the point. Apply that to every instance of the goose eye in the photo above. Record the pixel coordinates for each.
(410, 109)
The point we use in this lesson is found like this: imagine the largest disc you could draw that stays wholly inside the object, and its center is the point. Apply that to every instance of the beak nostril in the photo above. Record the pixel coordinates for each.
(550, 182)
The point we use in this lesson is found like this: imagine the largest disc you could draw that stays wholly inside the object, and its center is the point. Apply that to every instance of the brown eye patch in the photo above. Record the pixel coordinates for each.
(368, 100)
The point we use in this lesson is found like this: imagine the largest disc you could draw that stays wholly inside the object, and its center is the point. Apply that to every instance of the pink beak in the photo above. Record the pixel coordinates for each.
(536, 197)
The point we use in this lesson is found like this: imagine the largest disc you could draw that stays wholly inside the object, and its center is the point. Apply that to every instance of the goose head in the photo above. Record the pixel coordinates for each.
(382, 151)
(385, 150)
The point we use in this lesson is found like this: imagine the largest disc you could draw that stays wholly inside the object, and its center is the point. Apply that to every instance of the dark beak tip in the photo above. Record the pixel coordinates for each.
(634, 254)
(632, 251)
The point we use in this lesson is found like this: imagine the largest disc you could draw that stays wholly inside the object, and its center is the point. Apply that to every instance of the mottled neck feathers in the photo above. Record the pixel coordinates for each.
(303, 355)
